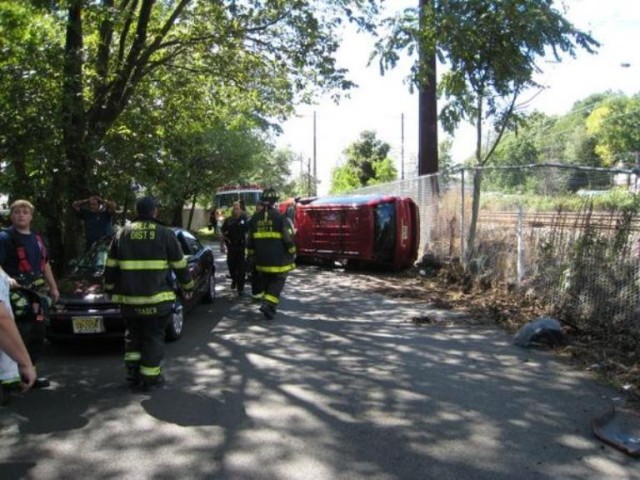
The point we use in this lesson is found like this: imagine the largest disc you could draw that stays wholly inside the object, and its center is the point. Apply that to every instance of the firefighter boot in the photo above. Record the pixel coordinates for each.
(133, 374)
(268, 310)
(150, 383)
(41, 382)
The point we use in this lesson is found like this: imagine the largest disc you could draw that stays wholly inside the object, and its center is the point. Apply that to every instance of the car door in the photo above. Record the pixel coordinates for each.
(199, 262)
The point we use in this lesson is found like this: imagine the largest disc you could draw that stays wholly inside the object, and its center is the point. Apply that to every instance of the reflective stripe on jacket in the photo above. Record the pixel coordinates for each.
(139, 263)
(271, 241)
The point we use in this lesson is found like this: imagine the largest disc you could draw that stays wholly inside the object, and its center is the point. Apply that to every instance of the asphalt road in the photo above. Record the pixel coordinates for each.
(341, 385)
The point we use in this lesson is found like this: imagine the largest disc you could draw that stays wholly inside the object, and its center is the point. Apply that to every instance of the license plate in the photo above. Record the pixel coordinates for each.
(87, 324)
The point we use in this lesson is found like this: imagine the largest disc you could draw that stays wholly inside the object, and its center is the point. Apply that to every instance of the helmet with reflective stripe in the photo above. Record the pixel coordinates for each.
(269, 196)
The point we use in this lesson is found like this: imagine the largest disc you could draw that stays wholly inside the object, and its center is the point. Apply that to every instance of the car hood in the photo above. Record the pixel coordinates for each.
(86, 287)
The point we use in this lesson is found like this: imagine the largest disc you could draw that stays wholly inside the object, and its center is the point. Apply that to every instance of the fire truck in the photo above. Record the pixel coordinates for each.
(359, 230)
(249, 193)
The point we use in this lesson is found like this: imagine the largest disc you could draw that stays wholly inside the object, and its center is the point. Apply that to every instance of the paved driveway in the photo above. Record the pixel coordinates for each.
(340, 386)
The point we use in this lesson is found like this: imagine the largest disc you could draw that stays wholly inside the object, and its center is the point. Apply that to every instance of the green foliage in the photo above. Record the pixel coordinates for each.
(512, 152)
(490, 48)
(176, 96)
(597, 130)
(343, 179)
(29, 105)
(616, 199)
(615, 124)
(273, 169)
(301, 183)
(367, 164)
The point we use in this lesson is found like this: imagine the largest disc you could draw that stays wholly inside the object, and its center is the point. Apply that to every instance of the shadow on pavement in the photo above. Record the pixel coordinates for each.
(194, 409)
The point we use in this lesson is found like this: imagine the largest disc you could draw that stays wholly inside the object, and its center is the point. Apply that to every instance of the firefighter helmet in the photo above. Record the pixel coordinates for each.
(269, 195)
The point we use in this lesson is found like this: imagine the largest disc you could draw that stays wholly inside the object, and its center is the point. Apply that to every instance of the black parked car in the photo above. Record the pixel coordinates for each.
(85, 311)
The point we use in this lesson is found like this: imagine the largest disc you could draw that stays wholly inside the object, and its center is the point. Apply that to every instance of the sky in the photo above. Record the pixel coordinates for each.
(385, 105)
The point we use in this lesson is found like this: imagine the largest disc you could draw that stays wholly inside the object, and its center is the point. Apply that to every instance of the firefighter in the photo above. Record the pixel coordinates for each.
(137, 272)
(270, 247)
(233, 241)
(254, 276)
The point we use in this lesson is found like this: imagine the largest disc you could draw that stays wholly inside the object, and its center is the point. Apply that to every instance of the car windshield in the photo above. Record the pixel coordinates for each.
(95, 258)
(226, 199)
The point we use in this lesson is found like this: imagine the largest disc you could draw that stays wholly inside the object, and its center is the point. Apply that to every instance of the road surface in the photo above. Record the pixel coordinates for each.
(341, 385)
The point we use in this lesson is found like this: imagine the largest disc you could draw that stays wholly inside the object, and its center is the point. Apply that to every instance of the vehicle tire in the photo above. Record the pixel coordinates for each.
(210, 295)
(176, 324)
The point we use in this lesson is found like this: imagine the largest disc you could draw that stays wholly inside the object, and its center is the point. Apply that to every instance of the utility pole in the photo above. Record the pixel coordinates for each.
(428, 107)
(402, 146)
(309, 177)
(315, 169)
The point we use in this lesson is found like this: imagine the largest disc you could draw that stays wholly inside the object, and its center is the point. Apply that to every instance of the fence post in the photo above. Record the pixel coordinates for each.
(520, 253)
(462, 214)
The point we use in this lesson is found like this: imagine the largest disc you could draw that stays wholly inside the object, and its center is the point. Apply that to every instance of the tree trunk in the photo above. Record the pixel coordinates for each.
(477, 182)
(74, 171)
(193, 208)
(428, 112)
(475, 209)
(176, 215)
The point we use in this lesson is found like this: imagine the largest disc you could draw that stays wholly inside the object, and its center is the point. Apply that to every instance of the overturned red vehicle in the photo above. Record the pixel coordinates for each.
(361, 230)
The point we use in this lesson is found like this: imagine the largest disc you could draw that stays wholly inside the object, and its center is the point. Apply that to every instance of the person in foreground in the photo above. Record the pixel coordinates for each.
(16, 367)
(137, 273)
(24, 258)
(270, 243)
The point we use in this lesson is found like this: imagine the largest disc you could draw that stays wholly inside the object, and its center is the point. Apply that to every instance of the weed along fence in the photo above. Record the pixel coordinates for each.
(569, 237)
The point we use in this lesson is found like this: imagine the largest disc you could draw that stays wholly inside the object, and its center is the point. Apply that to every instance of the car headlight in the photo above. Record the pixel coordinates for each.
(59, 307)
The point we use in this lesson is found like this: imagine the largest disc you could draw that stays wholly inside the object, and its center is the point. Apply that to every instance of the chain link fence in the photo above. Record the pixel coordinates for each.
(566, 236)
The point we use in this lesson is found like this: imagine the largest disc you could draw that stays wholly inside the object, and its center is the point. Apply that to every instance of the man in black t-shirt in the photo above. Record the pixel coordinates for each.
(97, 215)
(234, 232)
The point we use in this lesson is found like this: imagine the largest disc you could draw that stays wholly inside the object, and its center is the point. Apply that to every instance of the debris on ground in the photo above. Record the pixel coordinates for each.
(620, 428)
(544, 331)
(429, 265)
(428, 319)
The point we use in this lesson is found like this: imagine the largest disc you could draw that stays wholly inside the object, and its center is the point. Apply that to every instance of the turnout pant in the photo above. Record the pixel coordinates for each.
(272, 285)
(144, 344)
(256, 282)
(236, 263)
(32, 333)
(30, 312)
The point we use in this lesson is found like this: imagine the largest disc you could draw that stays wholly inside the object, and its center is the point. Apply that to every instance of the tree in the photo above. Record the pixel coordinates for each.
(598, 131)
(367, 164)
(303, 183)
(192, 150)
(273, 50)
(30, 78)
(490, 49)
(615, 124)
(269, 54)
(513, 151)
(272, 168)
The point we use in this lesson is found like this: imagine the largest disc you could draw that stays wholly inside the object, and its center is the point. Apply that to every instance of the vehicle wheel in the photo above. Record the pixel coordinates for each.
(176, 324)
(210, 294)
